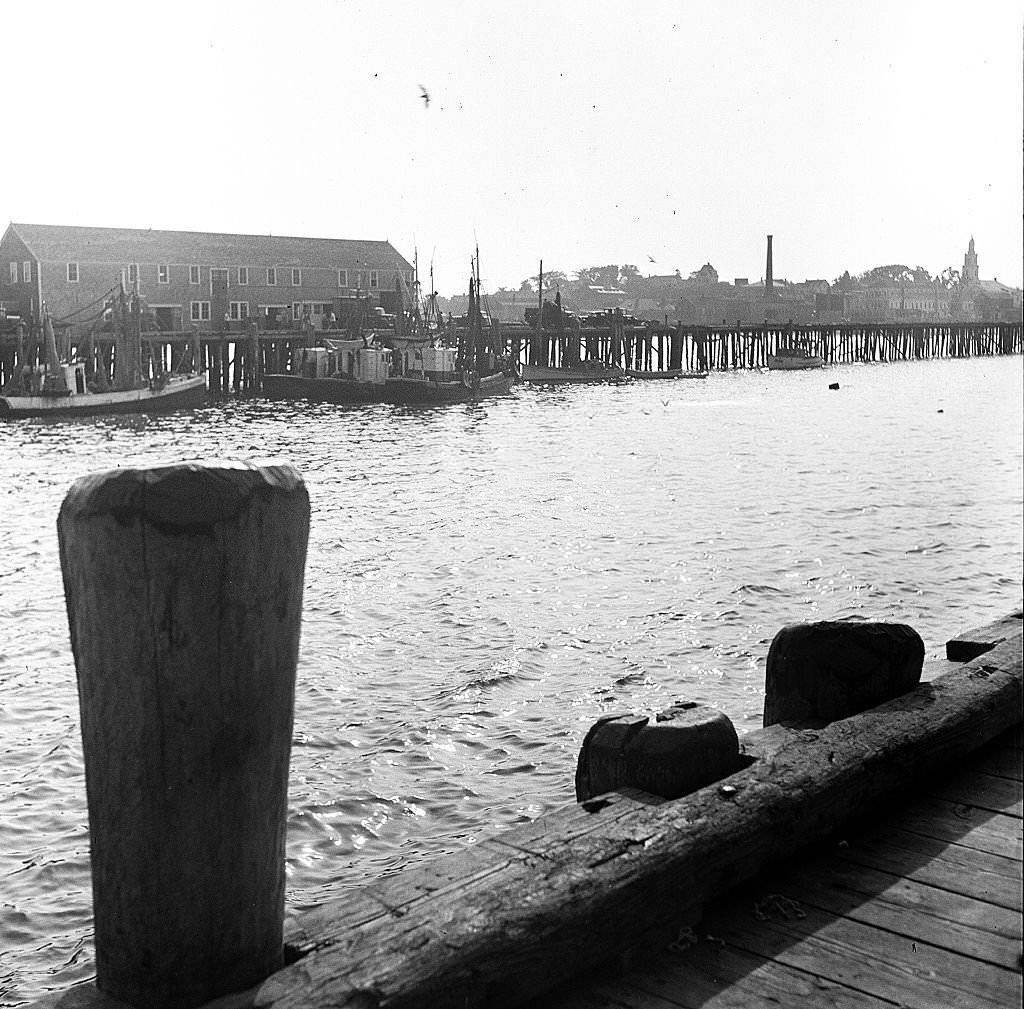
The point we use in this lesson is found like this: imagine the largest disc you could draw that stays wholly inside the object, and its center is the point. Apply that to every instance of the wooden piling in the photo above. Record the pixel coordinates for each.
(688, 746)
(830, 669)
(184, 592)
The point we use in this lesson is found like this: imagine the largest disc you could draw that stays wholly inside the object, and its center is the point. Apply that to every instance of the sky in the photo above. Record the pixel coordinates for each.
(664, 135)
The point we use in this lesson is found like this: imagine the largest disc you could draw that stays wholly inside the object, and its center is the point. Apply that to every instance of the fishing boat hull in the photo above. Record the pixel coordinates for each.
(672, 373)
(588, 372)
(793, 362)
(180, 392)
(425, 390)
(322, 390)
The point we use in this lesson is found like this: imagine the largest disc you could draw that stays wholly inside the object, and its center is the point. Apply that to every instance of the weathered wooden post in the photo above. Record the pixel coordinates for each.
(689, 746)
(184, 593)
(820, 672)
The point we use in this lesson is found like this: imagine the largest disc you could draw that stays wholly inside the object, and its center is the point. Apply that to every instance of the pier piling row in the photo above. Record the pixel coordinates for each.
(186, 717)
(236, 361)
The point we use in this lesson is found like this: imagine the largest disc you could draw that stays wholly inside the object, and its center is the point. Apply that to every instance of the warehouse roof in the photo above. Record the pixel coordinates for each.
(59, 243)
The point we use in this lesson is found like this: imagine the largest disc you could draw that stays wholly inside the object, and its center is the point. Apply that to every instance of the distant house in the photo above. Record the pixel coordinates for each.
(191, 279)
(971, 299)
(897, 301)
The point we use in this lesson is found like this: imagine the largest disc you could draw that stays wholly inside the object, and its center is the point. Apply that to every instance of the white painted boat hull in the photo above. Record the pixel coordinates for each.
(180, 392)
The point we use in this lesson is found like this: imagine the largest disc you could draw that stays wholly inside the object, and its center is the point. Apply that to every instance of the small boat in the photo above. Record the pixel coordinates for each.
(793, 359)
(585, 371)
(428, 369)
(341, 371)
(434, 376)
(59, 387)
(670, 373)
(175, 392)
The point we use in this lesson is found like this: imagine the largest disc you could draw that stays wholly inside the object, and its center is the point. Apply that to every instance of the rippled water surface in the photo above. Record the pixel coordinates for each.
(483, 582)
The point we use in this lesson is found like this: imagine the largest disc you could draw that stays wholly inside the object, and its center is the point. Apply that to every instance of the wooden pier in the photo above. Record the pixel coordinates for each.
(235, 361)
(673, 814)
(920, 907)
(664, 347)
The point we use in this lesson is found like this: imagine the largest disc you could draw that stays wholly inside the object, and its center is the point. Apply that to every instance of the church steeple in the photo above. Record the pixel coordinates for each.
(969, 274)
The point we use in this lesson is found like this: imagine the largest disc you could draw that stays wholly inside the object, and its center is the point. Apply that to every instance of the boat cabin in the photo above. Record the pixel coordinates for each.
(66, 380)
(364, 364)
(346, 359)
(434, 363)
(315, 361)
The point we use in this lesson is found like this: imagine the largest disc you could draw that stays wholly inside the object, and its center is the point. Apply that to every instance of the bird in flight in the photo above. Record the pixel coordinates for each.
(425, 95)
(651, 258)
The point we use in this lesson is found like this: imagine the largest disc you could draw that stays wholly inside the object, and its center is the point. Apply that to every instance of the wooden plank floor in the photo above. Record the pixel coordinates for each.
(920, 906)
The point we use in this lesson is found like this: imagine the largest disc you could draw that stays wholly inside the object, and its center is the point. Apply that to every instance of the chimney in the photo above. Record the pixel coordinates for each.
(768, 271)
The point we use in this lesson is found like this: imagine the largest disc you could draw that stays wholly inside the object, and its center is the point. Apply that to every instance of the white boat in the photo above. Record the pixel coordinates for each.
(666, 374)
(176, 392)
(793, 359)
(59, 388)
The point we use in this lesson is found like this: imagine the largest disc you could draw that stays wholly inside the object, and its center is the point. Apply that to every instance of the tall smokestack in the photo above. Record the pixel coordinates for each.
(768, 271)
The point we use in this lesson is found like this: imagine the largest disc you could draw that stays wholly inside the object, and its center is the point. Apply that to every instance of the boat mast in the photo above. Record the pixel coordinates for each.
(54, 375)
(540, 320)
(479, 352)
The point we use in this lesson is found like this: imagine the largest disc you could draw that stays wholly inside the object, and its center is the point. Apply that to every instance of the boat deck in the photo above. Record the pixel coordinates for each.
(919, 907)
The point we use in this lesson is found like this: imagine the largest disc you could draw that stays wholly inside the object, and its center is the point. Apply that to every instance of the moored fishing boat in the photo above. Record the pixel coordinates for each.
(60, 386)
(340, 371)
(429, 369)
(433, 375)
(793, 359)
(172, 392)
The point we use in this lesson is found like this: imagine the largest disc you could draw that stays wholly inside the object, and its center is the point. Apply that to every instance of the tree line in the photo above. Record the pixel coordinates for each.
(627, 277)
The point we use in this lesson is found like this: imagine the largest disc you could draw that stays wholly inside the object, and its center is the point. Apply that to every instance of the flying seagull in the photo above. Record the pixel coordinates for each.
(651, 258)
(425, 95)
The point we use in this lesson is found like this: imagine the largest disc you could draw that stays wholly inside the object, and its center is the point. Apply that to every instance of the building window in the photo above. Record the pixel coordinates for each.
(296, 277)
(271, 276)
(193, 276)
(163, 274)
(26, 271)
(343, 278)
(243, 275)
(200, 311)
(72, 273)
(14, 273)
(373, 278)
(133, 273)
(238, 310)
(408, 277)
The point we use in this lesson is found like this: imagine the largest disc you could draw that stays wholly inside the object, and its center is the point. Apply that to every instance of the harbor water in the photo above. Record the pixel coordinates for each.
(484, 581)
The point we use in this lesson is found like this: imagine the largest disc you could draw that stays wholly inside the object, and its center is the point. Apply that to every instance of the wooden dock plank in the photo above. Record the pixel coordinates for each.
(956, 823)
(1003, 761)
(869, 959)
(966, 871)
(985, 791)
(909, 908)
(710, 976)
(716, 976)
